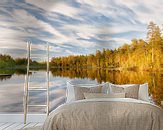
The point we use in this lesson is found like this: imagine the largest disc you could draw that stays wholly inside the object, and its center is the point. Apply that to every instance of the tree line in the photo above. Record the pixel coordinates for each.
(6, 61)
(139, 54)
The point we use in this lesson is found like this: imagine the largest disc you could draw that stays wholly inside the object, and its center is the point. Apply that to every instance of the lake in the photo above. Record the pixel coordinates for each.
(12, 86)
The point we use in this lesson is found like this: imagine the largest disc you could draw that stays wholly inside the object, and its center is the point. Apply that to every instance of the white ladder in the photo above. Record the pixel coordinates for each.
(28, 89)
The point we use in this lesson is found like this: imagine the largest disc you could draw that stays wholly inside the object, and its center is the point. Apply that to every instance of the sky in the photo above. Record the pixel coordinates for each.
(73, 27)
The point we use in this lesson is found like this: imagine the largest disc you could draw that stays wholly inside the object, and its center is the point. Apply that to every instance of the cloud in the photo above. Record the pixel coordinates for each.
(74, 27)
(146, 10)
(55, 7)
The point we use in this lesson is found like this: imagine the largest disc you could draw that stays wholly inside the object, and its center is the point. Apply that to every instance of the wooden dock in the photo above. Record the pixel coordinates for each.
(18, 126)
(16, 121)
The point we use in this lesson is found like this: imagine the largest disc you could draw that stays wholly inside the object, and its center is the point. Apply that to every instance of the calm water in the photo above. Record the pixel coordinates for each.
(12, 87)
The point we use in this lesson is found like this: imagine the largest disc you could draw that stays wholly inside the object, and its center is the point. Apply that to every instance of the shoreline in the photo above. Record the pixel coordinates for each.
(42, 67)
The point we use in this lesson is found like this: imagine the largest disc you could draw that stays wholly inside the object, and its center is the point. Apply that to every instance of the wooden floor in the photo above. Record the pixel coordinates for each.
(16, 121)
(17, 126)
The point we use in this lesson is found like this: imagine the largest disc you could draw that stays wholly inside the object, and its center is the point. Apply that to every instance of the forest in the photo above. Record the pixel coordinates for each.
(138, 55)
(6, 61)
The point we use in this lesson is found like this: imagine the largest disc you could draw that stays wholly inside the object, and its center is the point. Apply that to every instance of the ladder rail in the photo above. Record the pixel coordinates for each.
(48, 78)
(27, 82)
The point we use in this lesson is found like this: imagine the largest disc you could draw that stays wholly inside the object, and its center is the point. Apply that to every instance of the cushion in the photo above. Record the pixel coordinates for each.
(79, 91)
(131, 90)
(70, 94)
(102, 95)
(143, 92)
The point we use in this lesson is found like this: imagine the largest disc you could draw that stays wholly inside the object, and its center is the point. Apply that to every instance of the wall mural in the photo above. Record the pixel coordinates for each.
(118, 41)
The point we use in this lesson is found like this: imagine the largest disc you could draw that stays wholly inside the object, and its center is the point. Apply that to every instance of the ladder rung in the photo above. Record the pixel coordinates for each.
(37, 89)
(38, 56)
(37, 105)
(30, 71)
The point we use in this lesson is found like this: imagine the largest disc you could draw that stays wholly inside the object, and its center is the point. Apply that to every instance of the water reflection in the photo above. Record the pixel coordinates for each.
(12, 87)
(5, 77)
(155, 79)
